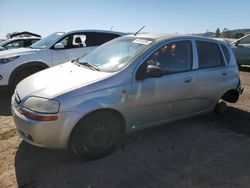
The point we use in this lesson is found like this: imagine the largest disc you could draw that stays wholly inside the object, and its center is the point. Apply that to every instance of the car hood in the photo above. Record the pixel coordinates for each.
(57, 80)
(17, 52)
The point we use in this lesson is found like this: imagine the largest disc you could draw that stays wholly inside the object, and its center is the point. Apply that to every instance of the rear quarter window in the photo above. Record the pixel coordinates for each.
(209, 55)
(226, 52)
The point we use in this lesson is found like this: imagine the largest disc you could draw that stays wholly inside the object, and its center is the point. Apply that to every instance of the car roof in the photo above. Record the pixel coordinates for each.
(96, 31)
(20, 38)
(24, 33)
(164, 36)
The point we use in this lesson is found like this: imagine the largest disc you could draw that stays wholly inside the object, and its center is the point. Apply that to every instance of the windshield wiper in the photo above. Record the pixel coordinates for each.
(75, 60)
(93, 66)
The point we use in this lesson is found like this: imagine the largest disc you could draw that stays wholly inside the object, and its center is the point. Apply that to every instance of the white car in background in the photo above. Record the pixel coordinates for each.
(59, 47)
(22, 42)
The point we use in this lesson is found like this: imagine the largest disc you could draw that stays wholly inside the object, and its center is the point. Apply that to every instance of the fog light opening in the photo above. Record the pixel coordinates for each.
(27, 136)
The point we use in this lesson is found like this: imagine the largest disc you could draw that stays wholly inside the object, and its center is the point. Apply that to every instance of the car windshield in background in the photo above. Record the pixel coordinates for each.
(115, 55)
(43, 43)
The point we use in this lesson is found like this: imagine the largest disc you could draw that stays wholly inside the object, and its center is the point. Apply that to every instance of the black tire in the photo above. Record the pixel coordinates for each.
(96, 135)
(221, 108)
(21, 75)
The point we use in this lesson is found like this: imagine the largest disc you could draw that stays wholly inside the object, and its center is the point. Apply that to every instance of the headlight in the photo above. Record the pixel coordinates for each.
(8, 59)
(41, 105)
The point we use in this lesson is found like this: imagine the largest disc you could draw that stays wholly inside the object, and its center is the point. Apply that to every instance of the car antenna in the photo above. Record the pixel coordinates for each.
(139, 30)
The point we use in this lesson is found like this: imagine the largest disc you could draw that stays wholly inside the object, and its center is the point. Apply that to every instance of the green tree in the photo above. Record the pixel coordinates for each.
(217, 33)
(226, 33)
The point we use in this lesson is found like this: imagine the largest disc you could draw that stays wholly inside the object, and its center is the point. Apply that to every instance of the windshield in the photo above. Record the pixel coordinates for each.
(43, 43)
(3, 43)
(115, 55)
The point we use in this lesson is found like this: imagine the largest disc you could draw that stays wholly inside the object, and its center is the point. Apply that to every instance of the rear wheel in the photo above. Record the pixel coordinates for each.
(96, 135)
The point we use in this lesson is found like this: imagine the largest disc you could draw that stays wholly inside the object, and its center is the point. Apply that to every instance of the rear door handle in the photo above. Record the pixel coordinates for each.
(224, 73)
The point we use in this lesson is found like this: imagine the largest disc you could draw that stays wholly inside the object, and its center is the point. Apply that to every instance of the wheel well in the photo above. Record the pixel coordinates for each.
(38, 65)
(115, 113)
(231, 96)
(112, 111)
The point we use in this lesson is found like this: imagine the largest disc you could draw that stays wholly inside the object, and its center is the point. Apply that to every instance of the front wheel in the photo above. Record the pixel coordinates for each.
(96, 135)
(220, 108)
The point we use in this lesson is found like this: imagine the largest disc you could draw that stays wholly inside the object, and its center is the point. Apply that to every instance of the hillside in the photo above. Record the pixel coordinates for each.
(237, 33)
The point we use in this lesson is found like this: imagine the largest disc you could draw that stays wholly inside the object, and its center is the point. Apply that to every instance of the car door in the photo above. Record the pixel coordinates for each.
(242, 50)
(78, 45)
(211, 76)
(73, 47)
(157, 99)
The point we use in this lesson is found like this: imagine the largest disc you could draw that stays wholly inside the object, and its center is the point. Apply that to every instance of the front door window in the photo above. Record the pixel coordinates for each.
(173, 57)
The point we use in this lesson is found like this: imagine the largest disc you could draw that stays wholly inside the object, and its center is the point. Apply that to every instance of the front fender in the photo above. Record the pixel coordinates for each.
(112, 104)
(117, 103)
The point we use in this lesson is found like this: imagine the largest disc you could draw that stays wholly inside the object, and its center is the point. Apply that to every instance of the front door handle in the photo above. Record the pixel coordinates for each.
(224, 74)
(188, 80)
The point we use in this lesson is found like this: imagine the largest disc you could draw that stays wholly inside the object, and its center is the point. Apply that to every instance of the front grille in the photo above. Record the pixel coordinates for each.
(17, 99)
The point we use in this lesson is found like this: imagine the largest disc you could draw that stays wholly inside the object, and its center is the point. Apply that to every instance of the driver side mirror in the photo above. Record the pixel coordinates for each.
(149, 71)
(59, 46)
(154, 71)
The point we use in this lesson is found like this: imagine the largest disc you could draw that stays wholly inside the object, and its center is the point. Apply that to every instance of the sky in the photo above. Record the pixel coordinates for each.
(161, 16)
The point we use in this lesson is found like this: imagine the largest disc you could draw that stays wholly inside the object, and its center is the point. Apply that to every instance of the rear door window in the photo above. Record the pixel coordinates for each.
(209, 55)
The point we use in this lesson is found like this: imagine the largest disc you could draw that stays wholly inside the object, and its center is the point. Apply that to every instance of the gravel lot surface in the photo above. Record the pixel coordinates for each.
(205, 151)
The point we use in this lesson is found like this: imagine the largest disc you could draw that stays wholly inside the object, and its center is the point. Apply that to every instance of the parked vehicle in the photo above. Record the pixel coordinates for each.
(14, 43)
(127, 84)
(54, 49)
(241, 49)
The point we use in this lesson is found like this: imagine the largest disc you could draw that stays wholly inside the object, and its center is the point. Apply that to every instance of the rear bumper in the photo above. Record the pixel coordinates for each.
(240, 89)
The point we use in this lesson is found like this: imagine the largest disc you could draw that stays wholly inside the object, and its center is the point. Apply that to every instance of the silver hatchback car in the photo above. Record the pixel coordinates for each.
(127, 84)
